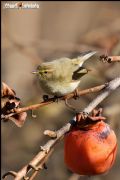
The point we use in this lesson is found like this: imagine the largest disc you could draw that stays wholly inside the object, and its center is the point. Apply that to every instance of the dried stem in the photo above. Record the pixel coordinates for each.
(38, 160)
(109, 59)
(52, 100)
(114, 58)
(111, 86)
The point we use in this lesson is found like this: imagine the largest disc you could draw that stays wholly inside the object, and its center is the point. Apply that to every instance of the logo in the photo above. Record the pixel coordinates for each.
(21, 5)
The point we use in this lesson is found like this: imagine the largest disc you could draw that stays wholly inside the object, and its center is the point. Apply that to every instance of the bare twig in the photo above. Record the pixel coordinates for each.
(114, 58)
(43, 164)
(111, 86)
(46, 149)
(52, 100)
(85, 91)
(109, 59)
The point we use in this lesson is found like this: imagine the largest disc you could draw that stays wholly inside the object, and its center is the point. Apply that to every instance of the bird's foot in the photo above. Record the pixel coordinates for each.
(45, 98)
(76, 94)
(56, 98)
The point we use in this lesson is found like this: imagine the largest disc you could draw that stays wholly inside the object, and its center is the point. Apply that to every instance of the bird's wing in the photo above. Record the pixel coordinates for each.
(79, 73)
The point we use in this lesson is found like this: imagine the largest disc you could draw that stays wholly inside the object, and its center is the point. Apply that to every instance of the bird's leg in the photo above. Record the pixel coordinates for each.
(56, 98)
(45, 98)
(76, 94)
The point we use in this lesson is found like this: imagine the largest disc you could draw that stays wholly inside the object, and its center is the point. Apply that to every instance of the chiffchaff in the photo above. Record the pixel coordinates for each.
(62, 76)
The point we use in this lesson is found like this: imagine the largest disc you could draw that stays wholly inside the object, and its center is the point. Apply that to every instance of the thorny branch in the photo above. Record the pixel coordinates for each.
(37, 162)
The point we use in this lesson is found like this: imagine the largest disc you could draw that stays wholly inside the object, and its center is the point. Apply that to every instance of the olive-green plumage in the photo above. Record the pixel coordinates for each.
(62, 76)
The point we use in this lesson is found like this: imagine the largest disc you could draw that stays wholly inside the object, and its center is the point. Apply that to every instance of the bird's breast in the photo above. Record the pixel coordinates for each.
(59, 88)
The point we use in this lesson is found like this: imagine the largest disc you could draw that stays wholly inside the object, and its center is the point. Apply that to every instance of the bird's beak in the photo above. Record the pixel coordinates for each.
(35, 72)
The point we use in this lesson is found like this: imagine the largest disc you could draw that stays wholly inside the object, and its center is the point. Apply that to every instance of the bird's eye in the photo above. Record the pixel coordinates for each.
(45, 72)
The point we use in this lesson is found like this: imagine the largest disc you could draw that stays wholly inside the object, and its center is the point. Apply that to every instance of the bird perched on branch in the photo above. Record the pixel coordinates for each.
(62, 76)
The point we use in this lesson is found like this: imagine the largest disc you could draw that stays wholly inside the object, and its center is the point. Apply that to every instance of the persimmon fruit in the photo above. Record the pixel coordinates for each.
(90, 151)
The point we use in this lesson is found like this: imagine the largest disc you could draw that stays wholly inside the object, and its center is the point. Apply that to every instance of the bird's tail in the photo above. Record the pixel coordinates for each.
(86, 55)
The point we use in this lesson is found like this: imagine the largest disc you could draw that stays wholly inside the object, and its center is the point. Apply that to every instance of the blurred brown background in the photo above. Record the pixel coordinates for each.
(56, 29)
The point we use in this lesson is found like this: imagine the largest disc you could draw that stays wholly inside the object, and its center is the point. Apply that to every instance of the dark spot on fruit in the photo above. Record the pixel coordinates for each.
(104, 134)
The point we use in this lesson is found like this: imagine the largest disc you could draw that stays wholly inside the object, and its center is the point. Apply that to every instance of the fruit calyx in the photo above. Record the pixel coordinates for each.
(85, 121)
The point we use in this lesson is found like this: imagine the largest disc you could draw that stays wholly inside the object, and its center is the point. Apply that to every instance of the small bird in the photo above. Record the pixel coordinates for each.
(62, 76)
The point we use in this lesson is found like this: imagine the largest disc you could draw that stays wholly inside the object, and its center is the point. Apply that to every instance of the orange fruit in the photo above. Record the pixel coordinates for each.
(90, 151)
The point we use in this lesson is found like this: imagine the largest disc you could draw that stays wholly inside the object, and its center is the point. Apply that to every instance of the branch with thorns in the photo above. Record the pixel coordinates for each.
(83, 118)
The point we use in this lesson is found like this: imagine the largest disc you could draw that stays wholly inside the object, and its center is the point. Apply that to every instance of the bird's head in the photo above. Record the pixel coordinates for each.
(44, 72)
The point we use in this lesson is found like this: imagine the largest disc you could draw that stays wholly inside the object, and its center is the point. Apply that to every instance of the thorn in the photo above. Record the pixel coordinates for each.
(12, 173)
(26, 178)
(44, 166)
(34, 167)
(44, 149)
(32, 114)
